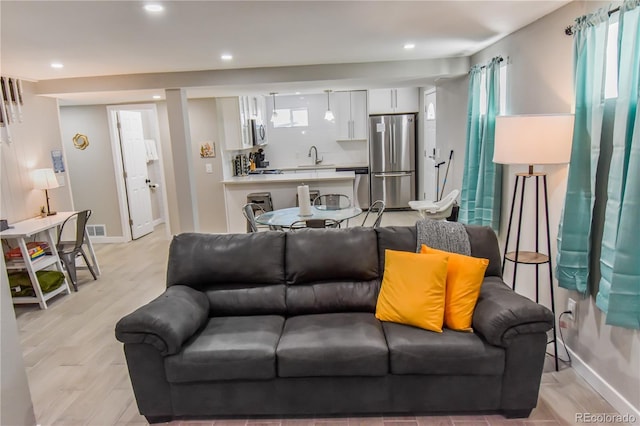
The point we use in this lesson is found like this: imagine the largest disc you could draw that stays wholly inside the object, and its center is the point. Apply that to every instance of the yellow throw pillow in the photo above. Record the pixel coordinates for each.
(413, 289)
(464, 279)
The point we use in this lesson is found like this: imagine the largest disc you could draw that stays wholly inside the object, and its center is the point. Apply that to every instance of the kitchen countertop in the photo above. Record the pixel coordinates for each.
(322, 166)
(289, 177)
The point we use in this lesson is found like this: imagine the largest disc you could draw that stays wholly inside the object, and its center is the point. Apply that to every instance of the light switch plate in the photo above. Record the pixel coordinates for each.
(208, 168)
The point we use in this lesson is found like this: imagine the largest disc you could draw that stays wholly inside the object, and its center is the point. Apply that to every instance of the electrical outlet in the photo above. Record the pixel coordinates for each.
(571, 306)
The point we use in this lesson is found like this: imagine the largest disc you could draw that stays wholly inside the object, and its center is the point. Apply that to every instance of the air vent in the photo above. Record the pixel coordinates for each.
(97, 230)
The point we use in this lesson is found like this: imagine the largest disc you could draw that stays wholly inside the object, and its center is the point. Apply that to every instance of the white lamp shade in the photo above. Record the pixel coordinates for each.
(533, 139)
(44, 179)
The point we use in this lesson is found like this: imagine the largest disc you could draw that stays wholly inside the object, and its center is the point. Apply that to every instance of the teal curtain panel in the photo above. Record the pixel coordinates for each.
(481, 194)
(574, 234)
(616, 272)
(619, 287)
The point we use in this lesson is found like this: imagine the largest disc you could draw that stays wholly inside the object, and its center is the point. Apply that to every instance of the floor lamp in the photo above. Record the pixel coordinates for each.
(531, 140)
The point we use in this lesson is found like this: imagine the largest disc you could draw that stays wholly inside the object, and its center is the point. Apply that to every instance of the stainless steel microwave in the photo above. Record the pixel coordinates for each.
(258, 132)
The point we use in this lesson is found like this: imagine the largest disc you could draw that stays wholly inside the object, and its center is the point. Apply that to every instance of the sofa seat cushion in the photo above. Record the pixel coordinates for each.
(228, 348)
(413, 350)
(335, 344)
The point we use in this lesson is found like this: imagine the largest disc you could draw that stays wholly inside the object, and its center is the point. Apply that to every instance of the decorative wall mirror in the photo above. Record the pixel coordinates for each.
(80, 141)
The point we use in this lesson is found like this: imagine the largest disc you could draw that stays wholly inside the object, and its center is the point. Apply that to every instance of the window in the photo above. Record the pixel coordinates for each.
(503, 90)
(291, 117)
(611, 70)
(431, 112)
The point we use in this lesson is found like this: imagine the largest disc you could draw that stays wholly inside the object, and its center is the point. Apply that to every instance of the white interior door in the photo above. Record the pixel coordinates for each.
(429, 175)
(134, 159)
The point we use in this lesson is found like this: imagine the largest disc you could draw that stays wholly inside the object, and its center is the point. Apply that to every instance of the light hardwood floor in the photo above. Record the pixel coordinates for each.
(78, 376)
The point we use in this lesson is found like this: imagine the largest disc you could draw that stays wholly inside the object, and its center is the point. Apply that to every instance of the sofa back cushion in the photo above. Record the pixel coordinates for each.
(242, 274)
(327, 297)
(484, 243)
(332, 270)
(399, 238)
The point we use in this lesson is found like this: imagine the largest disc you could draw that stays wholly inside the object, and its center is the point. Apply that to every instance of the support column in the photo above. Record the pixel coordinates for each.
(183, 175)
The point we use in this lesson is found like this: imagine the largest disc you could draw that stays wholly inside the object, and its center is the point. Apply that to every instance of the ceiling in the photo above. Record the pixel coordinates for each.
(98, 38)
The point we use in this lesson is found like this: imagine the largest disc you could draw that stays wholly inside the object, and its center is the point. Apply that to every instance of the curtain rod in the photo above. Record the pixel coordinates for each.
(499, 60)
(569, 30)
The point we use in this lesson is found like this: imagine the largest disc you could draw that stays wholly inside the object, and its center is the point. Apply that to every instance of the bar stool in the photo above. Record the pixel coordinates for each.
(259, 200)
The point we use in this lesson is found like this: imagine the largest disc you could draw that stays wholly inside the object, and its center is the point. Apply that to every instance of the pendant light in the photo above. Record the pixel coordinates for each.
(274, 115)
(328, 115)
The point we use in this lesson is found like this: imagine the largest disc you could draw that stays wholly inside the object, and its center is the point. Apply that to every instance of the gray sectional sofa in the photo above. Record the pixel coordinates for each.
(282, 324)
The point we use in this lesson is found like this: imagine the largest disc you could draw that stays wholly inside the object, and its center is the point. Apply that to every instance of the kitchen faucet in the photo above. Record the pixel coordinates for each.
(315, 158)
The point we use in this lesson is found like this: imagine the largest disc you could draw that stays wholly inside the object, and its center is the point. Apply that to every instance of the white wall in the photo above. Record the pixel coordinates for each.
(289, 146)
(91, 170)
(33, 141)
(210, 192)
(451, 127)
(540, 70)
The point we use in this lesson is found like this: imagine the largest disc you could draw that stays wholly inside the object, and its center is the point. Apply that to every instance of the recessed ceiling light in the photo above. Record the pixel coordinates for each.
(56, 65)
(157, 97)
(409, 46)
(155, 8)
(226, 57)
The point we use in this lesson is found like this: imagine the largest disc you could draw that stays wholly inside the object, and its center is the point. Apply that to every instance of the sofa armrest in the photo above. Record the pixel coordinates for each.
(502, 314)
(167, 321)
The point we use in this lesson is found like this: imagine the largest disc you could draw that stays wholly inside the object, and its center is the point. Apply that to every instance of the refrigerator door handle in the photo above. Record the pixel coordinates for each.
(386, 175)
(392, 141)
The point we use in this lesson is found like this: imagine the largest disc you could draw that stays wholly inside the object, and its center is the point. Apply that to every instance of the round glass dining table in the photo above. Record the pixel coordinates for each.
(286, 217)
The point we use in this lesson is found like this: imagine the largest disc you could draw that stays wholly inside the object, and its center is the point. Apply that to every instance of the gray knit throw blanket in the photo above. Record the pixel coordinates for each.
(443, 235)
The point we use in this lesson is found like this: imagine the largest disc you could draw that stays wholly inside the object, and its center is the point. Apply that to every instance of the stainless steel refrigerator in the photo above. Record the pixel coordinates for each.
(392, 153)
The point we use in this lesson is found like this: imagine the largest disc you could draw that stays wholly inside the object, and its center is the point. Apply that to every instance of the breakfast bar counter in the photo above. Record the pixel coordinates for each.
(283, 189)
(289, 177)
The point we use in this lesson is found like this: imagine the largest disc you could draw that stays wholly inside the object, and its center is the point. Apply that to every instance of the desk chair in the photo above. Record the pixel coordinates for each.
(68, 251)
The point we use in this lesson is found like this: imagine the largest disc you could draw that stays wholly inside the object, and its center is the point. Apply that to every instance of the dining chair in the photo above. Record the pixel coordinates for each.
(313, 223)
(69, 250)
(248, 211)
(378, 206)
(333, 201)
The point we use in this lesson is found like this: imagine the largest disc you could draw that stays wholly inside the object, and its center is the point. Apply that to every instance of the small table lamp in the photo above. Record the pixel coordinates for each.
(532, 139)
(45, 179)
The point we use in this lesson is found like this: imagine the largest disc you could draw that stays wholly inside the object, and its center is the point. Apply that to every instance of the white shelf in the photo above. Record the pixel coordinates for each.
(34, 299)
(38, 264)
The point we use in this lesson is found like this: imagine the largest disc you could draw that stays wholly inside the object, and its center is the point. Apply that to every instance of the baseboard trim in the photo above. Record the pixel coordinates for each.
(157, 222)
(601, 386)
(108, 240)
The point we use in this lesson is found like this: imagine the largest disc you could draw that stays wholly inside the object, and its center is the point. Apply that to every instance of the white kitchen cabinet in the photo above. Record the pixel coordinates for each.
(351, 115)
(394, 101)
(236, 119)
(233, 123)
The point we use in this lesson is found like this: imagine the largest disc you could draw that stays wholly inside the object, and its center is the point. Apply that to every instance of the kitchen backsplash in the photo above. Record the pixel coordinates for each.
(289, 146)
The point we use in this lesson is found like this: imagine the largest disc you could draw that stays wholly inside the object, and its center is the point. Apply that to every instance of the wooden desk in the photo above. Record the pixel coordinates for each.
(25, 229)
